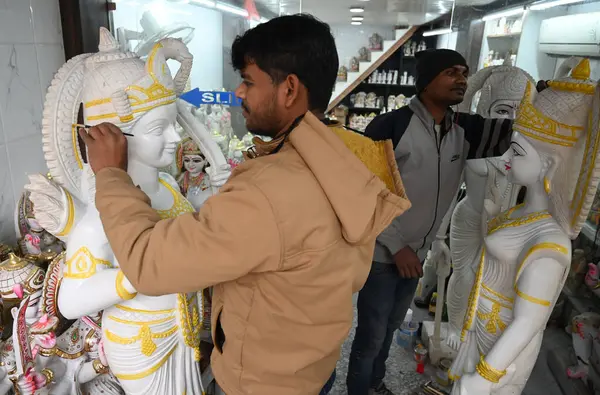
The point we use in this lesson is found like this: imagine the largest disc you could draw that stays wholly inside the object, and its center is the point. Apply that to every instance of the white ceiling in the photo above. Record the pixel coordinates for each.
(377, 12)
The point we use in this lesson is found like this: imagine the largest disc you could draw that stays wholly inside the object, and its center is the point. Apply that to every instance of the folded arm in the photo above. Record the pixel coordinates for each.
(233, 234)
(487, 137)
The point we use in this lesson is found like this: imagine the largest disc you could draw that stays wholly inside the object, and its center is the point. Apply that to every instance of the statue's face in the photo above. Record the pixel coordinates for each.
(523, 162)
(194, 163)
(155, 138)
(504, 109)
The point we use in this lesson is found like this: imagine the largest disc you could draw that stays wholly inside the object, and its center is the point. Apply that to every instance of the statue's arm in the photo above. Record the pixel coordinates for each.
(91, 281)
(194, 250)
(537, 288)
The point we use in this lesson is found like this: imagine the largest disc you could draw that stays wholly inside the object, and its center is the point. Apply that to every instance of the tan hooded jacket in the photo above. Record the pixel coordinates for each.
(286, 243)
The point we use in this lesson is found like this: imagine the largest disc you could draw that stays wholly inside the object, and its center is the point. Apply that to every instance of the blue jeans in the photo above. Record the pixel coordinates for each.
(382, 305)
(329, 384)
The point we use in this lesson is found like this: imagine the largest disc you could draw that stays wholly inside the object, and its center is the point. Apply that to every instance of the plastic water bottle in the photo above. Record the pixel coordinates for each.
(406, 336)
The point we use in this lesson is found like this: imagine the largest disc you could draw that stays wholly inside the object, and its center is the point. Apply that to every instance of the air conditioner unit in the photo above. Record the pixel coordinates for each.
(571, 35)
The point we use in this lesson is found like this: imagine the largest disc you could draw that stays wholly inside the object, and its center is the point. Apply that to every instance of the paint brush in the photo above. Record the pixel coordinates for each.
(86, 127)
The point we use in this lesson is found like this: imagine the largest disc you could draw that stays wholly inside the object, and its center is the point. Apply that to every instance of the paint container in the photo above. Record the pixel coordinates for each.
(406, 336)
(442, 372)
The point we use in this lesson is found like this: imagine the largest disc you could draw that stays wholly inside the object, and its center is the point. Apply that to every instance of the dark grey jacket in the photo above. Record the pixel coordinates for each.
(431, 169)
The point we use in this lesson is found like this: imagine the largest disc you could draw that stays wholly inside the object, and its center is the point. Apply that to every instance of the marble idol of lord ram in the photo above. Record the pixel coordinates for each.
(525, 253)
(501, 89)
(150, 343)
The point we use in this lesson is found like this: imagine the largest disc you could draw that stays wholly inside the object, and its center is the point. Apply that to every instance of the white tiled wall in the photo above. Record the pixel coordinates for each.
(31, 51)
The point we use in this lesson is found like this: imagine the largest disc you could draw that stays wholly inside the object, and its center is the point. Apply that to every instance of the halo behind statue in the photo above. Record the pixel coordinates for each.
(509, 82)
(101, 80)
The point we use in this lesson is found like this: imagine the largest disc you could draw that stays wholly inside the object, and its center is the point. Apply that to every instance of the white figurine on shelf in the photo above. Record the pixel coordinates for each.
(422, 46)
(413, 48)
(395, 78)
(411, 80)
(407, 49)
(151, 343)
(404, 78)
(526, 253)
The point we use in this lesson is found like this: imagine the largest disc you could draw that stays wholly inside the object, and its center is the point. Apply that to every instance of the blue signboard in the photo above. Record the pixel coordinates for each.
(196, 97)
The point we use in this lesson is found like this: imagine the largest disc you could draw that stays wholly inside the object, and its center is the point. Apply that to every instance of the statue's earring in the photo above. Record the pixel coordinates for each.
(547, 185)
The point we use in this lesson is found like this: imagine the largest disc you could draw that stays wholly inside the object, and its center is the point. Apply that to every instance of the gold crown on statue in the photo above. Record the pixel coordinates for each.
(532, 123)
(119, 87)
(186, 147)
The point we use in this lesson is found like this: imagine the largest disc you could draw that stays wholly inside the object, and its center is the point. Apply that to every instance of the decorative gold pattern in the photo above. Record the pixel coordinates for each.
(180, 204)
(145, 335)
(532, 123)
(140, 311)
(64, 355)
(151, 322)
(142, 99)
(493, 319)
(547, 187)
(582, 71)
(190, 322)
(76, 146)
(99, 367)
(71, 217)
(532, 299)
(49, 374)
(576, 87)
(83, 264)
(473, 298)
(488, 372)
(121, 291)
(541, 246)
(148, 372)
(504, 220)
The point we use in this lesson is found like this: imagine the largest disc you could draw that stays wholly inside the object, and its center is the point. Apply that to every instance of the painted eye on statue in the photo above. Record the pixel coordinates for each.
(517, 149)
(197, 161)
(502, 112)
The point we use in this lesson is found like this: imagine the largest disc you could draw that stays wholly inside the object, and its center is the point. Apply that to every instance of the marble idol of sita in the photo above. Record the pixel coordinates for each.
(151, 343)
(526, 252)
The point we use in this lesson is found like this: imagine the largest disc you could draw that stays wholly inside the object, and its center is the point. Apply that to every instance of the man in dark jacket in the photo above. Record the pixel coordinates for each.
(431, 144)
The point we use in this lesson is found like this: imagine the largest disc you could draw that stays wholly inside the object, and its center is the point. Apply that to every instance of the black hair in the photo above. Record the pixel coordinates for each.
(293, 44)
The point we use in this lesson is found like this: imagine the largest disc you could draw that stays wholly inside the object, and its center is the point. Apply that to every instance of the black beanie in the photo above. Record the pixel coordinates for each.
(432, 62)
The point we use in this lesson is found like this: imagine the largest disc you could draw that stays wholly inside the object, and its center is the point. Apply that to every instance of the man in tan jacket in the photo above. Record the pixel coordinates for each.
(289, 238)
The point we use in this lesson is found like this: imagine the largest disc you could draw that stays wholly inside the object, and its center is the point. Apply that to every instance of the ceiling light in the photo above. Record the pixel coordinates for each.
(232, 10)
(505, 13)
(437, 32)
(356, 23)
(550, 4)
(358, 18)
(357, 10)
(206, 3)
(364, 1)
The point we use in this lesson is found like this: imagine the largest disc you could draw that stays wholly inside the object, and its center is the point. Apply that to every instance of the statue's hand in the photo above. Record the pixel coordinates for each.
(50, 203)
(28, 382)
(453, 340)
(440, 253)
(218, 176)
(473, 384)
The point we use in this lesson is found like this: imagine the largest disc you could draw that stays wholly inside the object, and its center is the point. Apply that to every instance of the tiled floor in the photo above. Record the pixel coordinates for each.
(402, 378)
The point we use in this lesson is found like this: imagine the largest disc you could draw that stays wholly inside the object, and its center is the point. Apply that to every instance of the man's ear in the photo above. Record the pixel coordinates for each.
(292, 87)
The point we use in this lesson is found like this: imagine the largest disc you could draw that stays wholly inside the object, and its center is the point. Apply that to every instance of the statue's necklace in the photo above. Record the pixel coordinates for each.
(504, 220)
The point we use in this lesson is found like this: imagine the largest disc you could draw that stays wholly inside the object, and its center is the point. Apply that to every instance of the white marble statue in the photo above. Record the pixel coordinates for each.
(151, 343)
(501, 89)
(526, 253)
